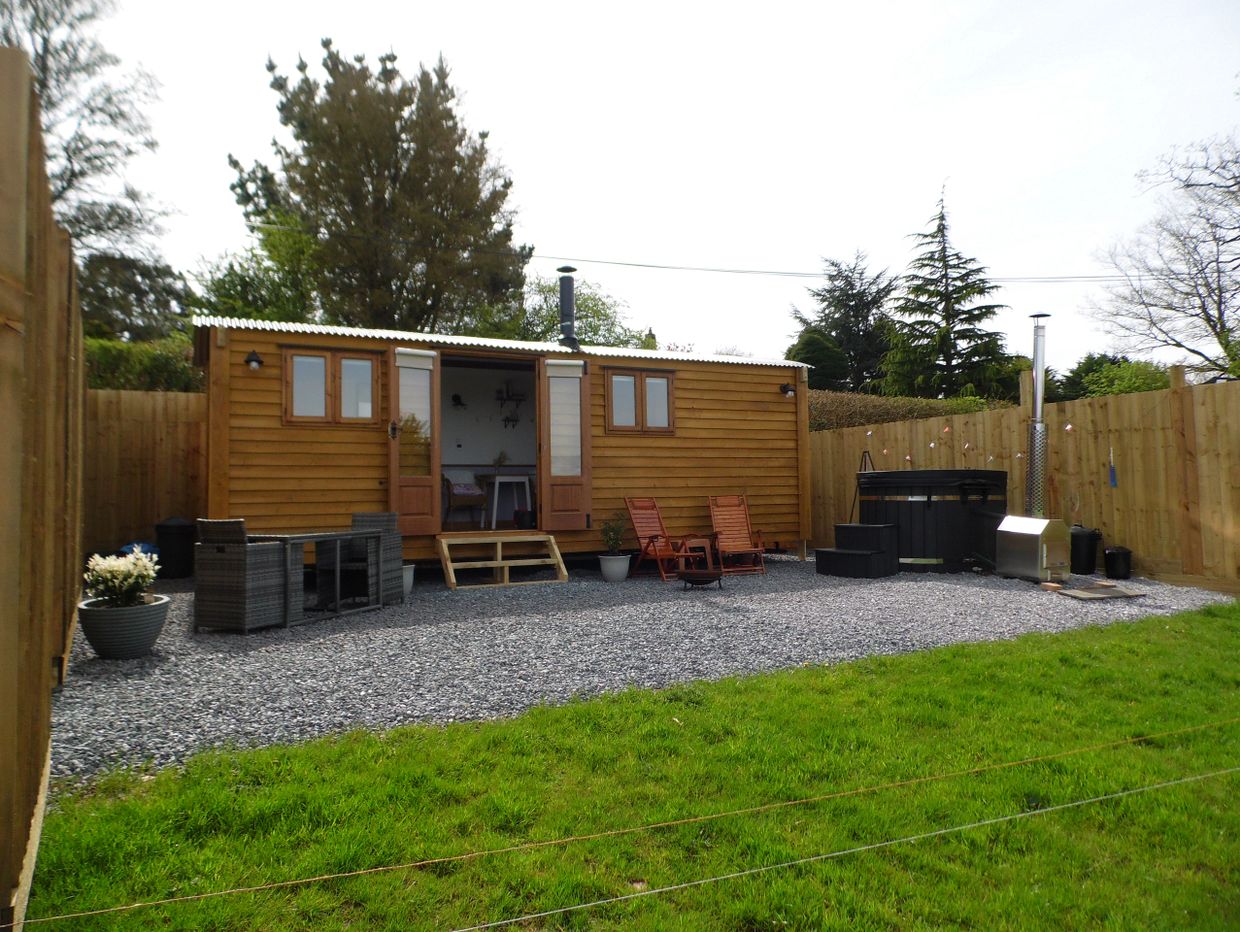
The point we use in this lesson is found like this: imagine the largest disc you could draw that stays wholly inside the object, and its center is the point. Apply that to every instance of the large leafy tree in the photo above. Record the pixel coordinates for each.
(131, 298)
(407, 209)
(940, 348)
(1120, 378)
(1180, 285)
(1075, 384)
(93, 120)
(830, 365)
(600, 318)
(852, 315)
(272, 280)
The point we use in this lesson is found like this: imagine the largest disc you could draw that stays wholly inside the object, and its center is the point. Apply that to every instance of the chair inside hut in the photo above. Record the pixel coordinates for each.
(489, 443)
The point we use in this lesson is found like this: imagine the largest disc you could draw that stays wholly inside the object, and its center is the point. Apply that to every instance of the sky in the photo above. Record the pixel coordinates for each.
(741, 136)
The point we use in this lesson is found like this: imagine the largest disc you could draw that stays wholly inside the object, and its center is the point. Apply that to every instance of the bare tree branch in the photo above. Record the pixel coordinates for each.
(1181, 273)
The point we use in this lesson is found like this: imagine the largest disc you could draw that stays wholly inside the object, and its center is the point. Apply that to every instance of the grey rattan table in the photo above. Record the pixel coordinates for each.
(294, 608)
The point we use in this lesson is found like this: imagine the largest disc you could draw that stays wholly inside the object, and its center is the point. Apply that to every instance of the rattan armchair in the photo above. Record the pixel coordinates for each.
(354, 566)
(238, 585)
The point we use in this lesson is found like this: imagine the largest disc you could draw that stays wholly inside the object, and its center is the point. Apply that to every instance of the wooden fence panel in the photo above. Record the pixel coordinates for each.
(145, 461)
(41, 386)
(1176, 501)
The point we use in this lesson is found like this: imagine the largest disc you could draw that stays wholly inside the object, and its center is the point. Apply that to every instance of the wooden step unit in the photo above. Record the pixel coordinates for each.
(492, 544)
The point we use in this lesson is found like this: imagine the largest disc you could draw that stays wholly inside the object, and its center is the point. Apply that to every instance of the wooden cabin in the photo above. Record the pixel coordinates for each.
(308, 424)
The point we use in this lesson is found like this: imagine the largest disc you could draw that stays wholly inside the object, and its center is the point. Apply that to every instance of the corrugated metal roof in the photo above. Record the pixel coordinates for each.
(441, 339)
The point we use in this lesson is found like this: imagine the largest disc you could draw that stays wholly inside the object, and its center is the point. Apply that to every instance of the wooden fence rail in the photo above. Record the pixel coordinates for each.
(41, 400)
(1175, 501)
(145, 461)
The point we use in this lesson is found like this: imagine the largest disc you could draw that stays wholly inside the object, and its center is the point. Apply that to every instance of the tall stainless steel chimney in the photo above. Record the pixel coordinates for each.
(1035, 470)
(568, 309)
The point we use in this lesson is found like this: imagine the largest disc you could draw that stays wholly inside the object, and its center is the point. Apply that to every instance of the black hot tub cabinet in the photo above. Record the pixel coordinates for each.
(945, 518)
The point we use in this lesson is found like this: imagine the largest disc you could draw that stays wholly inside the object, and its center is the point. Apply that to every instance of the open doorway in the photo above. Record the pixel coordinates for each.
(489, 442)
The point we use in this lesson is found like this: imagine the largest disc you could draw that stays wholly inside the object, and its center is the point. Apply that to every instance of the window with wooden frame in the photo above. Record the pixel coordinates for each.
(640, 401)
(330, 387)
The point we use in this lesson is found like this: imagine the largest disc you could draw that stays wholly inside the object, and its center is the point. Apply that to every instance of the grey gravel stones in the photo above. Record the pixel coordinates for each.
(487, 653)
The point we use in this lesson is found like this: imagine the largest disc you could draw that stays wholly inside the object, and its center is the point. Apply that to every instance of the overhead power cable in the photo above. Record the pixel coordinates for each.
(1082, 279)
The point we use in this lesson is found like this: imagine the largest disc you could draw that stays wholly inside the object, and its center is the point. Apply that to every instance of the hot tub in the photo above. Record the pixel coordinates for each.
(945, 518)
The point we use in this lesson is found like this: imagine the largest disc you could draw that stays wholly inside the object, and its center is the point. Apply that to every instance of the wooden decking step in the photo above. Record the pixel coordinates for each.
(498, 563)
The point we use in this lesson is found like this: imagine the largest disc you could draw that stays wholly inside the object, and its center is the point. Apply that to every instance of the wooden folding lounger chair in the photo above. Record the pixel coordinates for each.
(738, 545)
(656, 546)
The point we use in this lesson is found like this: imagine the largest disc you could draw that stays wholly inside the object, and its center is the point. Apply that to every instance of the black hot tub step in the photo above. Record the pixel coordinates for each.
(866, 536)
(853, 564)
(882, 537)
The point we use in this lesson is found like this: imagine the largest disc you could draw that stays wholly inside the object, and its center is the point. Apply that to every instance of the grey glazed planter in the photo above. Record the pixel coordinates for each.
(615, 566)
(122, 633)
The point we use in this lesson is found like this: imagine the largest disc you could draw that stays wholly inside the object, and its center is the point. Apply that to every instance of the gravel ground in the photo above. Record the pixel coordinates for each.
(487, 653)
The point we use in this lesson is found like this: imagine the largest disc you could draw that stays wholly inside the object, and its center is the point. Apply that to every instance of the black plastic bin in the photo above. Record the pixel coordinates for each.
(1118, 562)
(945, 518)
(1085, 542)
(175, 537)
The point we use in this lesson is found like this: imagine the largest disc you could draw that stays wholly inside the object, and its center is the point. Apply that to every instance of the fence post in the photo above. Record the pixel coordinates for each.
(14, 164)
(1184, 433)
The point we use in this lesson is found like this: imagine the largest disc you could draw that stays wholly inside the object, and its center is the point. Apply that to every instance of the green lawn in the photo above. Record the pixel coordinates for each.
(1169, 858)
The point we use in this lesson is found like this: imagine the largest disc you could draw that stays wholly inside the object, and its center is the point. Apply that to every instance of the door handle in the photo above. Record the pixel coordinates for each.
(393, 430)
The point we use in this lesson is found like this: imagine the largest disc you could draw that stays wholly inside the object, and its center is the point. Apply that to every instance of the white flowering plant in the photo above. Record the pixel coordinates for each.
(120, 581)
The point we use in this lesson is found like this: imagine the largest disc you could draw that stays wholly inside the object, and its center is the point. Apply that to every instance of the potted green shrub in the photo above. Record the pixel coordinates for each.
(121, 619)
(615, 565)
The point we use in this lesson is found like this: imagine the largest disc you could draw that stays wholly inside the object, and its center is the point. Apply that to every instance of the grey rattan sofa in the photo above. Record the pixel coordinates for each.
(239, 586)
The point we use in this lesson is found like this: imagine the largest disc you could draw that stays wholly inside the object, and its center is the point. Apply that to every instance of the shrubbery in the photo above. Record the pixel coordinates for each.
(158, 366)
(828, 410)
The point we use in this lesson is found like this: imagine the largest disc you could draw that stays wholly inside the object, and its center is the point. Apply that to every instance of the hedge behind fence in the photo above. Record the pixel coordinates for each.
(828, 410)
(159, 366)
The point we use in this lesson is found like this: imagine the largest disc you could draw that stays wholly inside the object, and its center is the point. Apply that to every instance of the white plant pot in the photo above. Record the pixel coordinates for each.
(615, 566)
(408, 569)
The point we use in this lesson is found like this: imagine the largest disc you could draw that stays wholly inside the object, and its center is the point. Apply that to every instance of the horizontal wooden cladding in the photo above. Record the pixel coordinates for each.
(734, 434)
(719, 482)
(718, 448)
(309, 510)
(322, 520)
(675, 446)
(625, 463)
(248, 429)
(318, 457)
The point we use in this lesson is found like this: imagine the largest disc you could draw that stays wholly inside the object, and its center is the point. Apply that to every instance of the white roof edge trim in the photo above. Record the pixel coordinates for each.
(446, 340)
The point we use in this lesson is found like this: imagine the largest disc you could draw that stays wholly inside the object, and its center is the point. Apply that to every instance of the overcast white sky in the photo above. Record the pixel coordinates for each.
(753, 136)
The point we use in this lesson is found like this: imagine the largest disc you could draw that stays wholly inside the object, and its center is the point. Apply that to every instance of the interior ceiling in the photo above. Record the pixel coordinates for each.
(475, 362)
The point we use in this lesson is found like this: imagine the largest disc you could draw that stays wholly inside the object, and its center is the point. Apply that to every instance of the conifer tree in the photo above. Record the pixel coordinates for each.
(852, 315)
(940, 349)
(406, 207)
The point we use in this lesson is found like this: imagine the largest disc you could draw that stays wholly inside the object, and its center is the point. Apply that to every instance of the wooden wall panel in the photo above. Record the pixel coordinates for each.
(296, 477)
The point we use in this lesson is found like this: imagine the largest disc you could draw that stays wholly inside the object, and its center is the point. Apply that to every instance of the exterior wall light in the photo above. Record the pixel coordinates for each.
(787, 390)
(254, 361)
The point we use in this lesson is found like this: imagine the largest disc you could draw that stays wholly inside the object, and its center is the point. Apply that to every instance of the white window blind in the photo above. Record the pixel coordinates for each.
(564, 396)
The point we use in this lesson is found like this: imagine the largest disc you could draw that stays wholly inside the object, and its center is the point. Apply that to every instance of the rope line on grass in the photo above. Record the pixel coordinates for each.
(651, 826)
(921, 836)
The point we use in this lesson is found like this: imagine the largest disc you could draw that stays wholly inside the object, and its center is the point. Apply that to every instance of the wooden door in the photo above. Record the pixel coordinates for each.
(563, 445)
(414, 440)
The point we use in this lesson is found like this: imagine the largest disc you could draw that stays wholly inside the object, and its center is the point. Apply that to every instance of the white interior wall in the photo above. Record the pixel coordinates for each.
(474, 432)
